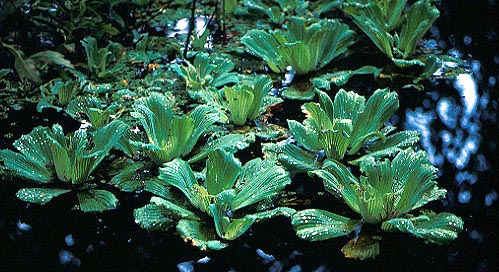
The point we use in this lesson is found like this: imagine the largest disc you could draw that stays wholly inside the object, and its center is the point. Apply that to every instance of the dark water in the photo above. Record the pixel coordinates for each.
(459, 127)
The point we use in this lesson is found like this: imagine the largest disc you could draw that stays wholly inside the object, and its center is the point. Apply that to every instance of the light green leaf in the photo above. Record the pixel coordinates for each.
(199, 235)
(259, 180)
(229, 143)
(40, 196)
(226, 227)
(239, 102)
(292, 157)
(222, 170)
(439, 228)
(318, 225)
(97, 201)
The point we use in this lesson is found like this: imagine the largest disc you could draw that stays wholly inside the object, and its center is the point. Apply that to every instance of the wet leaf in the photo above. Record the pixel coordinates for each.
(318, 225)
(97, 201)
(40, 196)
(439, 228)
(199, 235)
(363, 247)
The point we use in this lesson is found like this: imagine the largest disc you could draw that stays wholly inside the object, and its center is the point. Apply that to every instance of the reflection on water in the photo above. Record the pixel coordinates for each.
(451, 131)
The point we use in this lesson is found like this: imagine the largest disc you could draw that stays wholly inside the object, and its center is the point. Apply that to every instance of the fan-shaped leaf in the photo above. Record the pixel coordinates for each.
(199, 235)
(437, 228)
(318, 225)
(97, 201)
(292, 157)
(222, 171)
(362, 248)
(40, 196)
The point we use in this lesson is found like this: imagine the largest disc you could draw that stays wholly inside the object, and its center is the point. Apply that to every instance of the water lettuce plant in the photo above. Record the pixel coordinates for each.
(335, 128)
(100, 59)
(168, 135)
(207, 70)
(394, 29)
(387, 193)
(244, 102)
(225, 193)
(305, 46)
(48, 156)
(277, 10)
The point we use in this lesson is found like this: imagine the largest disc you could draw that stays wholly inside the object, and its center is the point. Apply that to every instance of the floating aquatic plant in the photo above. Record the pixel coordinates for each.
(170, 136)
(278, 10)
(386, 193)
(395, 32)
(335, 128)
(207, 70)
(99, 59)
(246, 103)
(223, 192)
(305, 46)
(48, 156)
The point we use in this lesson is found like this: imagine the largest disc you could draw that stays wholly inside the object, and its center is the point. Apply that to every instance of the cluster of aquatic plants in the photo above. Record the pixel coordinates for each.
(176, 126)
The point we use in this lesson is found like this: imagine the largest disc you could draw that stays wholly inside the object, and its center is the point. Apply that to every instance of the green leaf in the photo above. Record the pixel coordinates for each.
(259, 180)
(292, 157)
(267, 215)
(51, 57)
(178, 173)
(153, 217)
(305, 136)
(199, 235)
(226, 227)
(97, 201)
(363, 247)
(40, 196)
(229, 143)
(439, 228)
(239, 102)
(378, 109)
(340, 78)
(339, 181)
(25, 67)
(318, 225)
(127, 180)
(222, 170)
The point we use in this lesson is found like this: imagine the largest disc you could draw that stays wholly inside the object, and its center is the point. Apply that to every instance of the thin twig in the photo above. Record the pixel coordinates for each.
(191, 28)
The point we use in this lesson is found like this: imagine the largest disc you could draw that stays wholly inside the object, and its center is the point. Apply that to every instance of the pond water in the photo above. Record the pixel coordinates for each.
(458, 123)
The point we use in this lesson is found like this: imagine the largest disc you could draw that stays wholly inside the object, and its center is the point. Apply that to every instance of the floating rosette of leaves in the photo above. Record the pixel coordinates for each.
(245, 102)
(386, 193)
(394, 29)
(205, 72)
(48, 156)
(305, 46)
(226, 193)
(337, 128)
(100, 59)
(277, 10)
(170, 136)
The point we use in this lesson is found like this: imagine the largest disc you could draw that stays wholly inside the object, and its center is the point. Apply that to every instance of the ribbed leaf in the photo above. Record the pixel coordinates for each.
(153, 217)
(339, 181)
(268, 180)
(199, 235)
(318, 225)
(292, 157)
(239, 102)
(391, 145)
(222, 170)
(348, 105)
(25, 167)
(178, 173)
(40, 196)
(306, 137)
(419, 19)
(128, 180)
(204, 117)
(340, 78)
(267, 215)
(439, 228)
(378, 109)
(362, 248)
(261, 88)
(97, 201)
(227, 228)
(229, 143)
